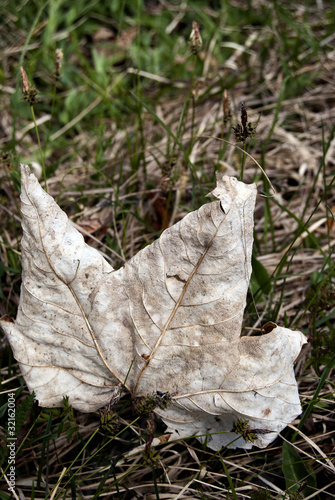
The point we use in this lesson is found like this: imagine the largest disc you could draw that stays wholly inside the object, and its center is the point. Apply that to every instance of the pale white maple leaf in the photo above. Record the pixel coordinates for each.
(173, 313)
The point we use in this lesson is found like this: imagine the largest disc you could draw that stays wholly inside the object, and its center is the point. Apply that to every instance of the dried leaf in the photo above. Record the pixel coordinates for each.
(173, 314)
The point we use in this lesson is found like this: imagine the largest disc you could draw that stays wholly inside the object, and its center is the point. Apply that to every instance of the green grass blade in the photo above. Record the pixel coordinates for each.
(298, 476)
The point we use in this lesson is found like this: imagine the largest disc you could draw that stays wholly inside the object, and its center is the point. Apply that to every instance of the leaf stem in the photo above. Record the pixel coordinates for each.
(244, 157)
(40, 147)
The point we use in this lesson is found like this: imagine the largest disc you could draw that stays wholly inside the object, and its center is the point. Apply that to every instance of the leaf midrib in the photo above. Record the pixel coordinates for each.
(159, 340)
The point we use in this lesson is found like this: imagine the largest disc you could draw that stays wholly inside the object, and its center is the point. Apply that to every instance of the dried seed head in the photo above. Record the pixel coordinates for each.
(58, 62)
(6, 159)
(245, 129)
(29, 92)
(25, 81)
(109, 421)
(115, 397)
(168, 166)
(242, 427)
(244, 115)
(195, 39)
(144, 406)
(226, 107)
